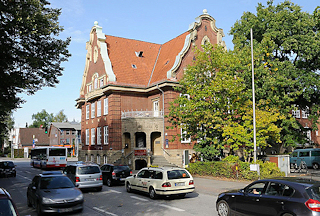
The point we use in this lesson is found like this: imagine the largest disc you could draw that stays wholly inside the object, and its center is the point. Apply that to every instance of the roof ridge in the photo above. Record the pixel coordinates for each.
(133, 39)
(154, 66)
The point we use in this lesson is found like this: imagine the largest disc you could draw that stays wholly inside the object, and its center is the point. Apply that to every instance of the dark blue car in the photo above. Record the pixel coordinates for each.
(276, 197)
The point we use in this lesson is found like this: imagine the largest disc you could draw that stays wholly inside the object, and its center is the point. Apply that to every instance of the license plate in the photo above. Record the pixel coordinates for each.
(179, 184)
(89, 180)
(65, 210)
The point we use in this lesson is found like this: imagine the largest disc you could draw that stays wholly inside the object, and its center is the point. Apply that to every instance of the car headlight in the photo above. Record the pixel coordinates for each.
(80, 197)
(47, 200)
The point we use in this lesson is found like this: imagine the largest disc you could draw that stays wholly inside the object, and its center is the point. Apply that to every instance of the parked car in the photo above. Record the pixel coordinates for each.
(311, 156)
(161, 181)
(85, 175)
(7, 168)
(7, 206)
(54, 192)
(284, 196)
(113, 173)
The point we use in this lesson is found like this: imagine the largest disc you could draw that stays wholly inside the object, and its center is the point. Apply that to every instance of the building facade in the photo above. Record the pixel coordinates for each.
(65, 134)
(126, 92)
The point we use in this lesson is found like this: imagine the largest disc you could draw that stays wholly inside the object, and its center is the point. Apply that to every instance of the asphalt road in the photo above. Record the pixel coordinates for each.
(116, 201)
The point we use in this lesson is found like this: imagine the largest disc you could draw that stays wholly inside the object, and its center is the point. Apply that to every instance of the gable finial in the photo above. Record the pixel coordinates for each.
(205, 11)
(96, 23)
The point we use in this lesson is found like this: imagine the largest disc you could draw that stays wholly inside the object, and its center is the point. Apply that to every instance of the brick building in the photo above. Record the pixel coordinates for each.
(29, 136)
(65, 134)
(125, 93)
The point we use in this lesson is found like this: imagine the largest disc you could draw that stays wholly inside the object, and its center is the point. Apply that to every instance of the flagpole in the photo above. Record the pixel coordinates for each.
(253, 104)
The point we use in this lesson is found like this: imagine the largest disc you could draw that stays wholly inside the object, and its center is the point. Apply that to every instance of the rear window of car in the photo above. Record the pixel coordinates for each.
(177, 174)
(314, 191)
(55, 182)
(6, 207)
(121, 168)
(88, 170)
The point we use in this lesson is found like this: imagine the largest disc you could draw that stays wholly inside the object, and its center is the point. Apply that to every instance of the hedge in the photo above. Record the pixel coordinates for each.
(234, 169)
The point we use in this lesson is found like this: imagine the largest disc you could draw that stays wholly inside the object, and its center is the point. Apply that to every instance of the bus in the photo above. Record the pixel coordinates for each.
(49, 157)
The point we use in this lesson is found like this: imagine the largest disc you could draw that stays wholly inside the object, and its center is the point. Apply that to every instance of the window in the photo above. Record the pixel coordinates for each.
(105, 159)
(294, 154)
(296, 112)
(90, 88)
(304, 154)
(305, 113)
(93, 110)
(156, 108)
(184, 138)
(73, 132)
(98, 108)
(93, 136)
(67, 132)
(105, 135)
(99, 136)
(95, 83)
(98, 159)
(101, 82)
(275, 189)
(105, 106)
(87, 136)
(68, 141)
(256, 188)
(309, 134)
(92, 158)
(87, 112)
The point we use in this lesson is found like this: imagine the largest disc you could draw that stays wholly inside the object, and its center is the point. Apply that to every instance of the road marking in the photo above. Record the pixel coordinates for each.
(114, 191)
(170, 207)
(138, 198)
(24, 177)
(101, 210)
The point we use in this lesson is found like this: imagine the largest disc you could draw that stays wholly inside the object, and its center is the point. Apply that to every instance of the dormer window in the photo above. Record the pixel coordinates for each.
(134, 66)
(139, 54)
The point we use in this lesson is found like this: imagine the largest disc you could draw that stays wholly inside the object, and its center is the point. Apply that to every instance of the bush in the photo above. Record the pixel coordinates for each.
(232, 167)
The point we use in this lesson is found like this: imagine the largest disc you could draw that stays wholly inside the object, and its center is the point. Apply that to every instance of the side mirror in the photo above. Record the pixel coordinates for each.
(241, 191)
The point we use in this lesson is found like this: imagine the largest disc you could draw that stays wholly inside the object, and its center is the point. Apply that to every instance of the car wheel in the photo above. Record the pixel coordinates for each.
(315, 166)
(223, 208)
(152, 193)
(109, 182)
(128, 187)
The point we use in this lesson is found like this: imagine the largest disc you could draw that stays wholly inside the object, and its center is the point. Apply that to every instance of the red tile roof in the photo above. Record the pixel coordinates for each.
(152, 67)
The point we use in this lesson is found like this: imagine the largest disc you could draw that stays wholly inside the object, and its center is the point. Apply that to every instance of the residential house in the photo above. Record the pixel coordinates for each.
(32, 137)
(125, 94)
(65, 134)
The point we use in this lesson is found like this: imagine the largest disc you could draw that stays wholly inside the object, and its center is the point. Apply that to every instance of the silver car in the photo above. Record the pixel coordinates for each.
(85, 175)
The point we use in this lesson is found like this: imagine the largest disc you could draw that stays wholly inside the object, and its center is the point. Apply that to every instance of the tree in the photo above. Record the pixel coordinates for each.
(30, 53)
(4, 131)
(45, 119)
(287, 61)
(214, 108)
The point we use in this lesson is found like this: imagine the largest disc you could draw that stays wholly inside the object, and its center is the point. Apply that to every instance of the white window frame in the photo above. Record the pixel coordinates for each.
(156, 108)
(93, 136)
(95, 82)
(98, 108)
(93, 110)
(105, 159)
(184, 140)
(101, 82)
(98, 159)
(98, 135)
(106, 135)
(105, 106)
(87, 136)
(305, 113)
(87, 111)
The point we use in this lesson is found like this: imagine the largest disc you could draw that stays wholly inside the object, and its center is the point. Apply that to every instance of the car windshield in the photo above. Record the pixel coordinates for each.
(7, 164)
(56, 182)
(88, 170)
(177, 174)
(121, 168)
(6, 208)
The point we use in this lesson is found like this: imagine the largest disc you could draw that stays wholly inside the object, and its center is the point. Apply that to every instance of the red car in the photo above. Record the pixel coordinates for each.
(7, 206)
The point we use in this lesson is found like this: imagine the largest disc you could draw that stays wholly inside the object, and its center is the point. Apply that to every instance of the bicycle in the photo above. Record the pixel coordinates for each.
(301, 168)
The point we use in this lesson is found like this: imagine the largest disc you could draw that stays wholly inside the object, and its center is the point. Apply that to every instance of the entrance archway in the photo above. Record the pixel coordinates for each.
(156, 143)
(140, 163)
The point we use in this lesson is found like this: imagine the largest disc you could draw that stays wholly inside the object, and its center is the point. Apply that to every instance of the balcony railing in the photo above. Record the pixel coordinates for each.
(142, 114)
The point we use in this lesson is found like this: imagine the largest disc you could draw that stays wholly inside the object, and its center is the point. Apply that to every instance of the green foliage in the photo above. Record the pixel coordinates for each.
(31, 54)
(44, 118)
(233, 168)
(286, 62)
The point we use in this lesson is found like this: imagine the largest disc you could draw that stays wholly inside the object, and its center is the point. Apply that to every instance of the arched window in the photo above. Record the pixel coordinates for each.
(98, 159)
(105, 159)
(92, 158)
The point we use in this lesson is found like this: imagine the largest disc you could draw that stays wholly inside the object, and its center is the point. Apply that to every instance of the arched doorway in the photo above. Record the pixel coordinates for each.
(156, 143)
(140, 163)
(140, 140)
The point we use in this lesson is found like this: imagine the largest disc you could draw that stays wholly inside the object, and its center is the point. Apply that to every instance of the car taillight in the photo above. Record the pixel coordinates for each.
(191, 182)
(313, 205)
(77, 179)
(131, 172)
(100, 177)
(113, 174)
(166, 184)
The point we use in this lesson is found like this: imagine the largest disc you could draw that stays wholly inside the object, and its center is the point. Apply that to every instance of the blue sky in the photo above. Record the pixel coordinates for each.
(145, 20)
